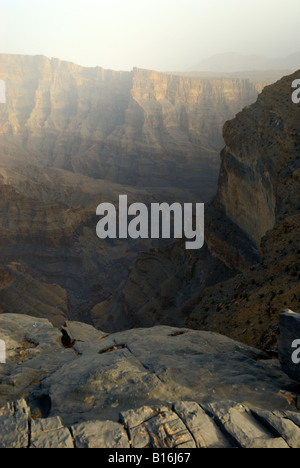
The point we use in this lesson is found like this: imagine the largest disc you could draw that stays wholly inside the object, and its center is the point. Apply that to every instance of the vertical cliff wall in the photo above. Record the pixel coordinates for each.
(248, 270)
(135, 128)
(262, 143)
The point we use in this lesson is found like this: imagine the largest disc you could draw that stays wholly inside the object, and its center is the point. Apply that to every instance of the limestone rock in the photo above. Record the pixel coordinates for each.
(156, 126)
(100, 434)
(204, 430)
(107, 374)
(50, 433)
(161, 429)
(242, 428)
(78, 331)
(281, 425)
(14, 423)
(222, 424)
(160, 387)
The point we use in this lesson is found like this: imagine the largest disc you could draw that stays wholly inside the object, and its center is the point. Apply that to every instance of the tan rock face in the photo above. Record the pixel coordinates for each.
(136, 128)
(248, 270)
(261, 151)
(71, 138)
(27, 221)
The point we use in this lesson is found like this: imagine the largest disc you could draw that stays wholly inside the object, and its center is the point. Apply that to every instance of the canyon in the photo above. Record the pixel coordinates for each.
(138, 128)
(126, 343)
(248, 270)
(72, 138)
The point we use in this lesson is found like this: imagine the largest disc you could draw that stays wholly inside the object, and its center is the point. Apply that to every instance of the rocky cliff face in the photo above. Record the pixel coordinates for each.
(69, 134)
(261, 154)
(140, 128)
(259, 191)
(252, 236)
(71, 138)
(68, 384)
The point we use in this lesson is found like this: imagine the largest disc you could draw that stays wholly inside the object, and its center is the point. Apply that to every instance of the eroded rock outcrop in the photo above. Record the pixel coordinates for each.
(160, 387)
(248, 270)
(71, 138)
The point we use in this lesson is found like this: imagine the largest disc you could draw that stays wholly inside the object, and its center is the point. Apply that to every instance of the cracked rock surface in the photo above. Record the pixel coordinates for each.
(156, 387)
(184, 425)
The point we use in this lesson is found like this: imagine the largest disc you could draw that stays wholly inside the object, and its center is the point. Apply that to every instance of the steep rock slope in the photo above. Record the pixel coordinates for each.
(71, 138)
(252, 236)
(259, 189)
(55, 265)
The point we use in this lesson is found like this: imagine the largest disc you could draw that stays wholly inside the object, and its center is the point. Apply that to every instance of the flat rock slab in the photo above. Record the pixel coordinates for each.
(285, 425)
(205, 431)
(81, 374)
(156, 427)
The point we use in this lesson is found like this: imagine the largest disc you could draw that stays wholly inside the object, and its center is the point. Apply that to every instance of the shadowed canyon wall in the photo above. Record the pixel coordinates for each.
(73, 137)
(248, 270)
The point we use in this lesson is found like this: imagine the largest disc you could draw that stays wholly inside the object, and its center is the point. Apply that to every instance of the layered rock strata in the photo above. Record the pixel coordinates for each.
(249, 268)
(139, 128)
(73, 137)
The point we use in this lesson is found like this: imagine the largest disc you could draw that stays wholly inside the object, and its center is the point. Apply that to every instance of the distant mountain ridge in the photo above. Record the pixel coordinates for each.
(233, 62)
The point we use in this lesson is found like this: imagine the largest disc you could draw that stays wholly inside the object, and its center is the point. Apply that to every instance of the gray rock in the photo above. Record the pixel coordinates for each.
(34, 351)
(100, 434)
(281, 425)
(292, 415)
(242, 428)
(203, 429)
(157, 428)
(151, 366)
(78, 331)
(183, 425)
(50, 433)
(106, 375)
(289, 323)
(156, 381)
(14, 425)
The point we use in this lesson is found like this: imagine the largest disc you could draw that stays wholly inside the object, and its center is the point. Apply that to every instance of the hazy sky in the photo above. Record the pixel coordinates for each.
(156, 34)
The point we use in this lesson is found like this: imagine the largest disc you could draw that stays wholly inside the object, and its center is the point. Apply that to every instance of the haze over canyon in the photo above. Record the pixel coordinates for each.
(73, 137)
(142, 342)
